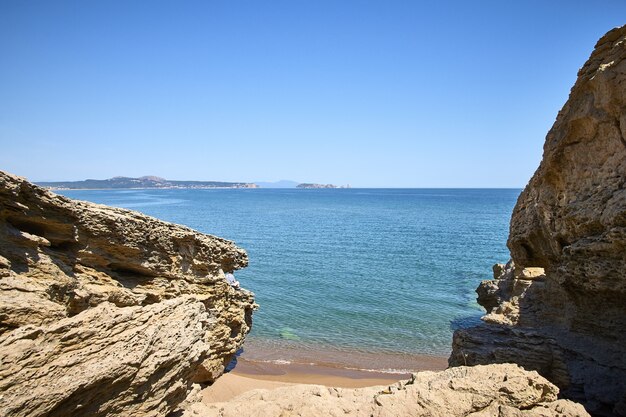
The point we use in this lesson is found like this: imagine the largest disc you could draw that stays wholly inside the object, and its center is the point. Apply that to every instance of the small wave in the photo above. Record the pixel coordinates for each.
(391, 371)
(383, 371)
(274, 361)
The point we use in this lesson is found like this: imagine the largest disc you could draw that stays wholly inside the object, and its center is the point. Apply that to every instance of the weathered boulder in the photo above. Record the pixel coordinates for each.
(105, 311)
(560, 306)
(480, 391)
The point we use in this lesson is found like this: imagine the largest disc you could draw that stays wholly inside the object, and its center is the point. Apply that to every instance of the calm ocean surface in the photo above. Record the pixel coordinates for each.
(366, 270)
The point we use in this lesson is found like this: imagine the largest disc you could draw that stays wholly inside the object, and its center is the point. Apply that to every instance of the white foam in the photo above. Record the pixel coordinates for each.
(274, 361)
(383, 371)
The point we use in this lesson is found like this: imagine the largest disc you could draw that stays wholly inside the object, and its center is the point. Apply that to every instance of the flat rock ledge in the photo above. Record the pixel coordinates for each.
(480, 391)
(105, 311)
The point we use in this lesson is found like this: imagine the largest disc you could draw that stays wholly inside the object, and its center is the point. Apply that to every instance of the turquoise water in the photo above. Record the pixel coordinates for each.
(373, 270)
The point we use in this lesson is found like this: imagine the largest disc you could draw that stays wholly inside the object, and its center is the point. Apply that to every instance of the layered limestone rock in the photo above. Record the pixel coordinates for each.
(105, 311)
(560, 306)
(481, 391)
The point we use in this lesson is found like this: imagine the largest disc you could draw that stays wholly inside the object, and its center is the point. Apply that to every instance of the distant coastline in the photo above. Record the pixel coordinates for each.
(146, 182)
(158, 183)
(153, 182)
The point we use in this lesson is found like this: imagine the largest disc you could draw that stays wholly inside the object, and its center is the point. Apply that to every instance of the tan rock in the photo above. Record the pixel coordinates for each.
(105, 311)
(531, 273)
(494, 390)
(569, 322)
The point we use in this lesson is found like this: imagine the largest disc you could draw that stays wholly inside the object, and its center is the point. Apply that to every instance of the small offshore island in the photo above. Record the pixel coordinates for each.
(309, 185)
(107, 311)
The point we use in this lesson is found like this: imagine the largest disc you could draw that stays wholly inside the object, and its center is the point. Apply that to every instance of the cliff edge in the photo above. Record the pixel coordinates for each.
(105, 311)
(559, 307)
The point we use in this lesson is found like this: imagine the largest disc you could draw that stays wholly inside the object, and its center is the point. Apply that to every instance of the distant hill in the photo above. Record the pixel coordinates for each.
(141, 182)
(277, 184)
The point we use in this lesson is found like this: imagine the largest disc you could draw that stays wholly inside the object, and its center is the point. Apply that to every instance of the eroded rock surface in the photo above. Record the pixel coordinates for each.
(480, 391)
(105, 311)
(560, 306)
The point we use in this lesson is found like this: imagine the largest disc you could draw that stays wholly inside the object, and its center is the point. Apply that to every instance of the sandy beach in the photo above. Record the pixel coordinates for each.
(250, 375)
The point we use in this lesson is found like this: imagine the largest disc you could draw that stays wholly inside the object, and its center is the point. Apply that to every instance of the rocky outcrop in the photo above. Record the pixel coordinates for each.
(560, 306)
(481, 391)
(105, 311)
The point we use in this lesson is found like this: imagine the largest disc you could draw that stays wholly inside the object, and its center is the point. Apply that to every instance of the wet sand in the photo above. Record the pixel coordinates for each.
(314, 374)
(260, 356)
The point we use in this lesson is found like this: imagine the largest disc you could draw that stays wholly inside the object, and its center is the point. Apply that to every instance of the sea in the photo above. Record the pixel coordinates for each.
(358, 278)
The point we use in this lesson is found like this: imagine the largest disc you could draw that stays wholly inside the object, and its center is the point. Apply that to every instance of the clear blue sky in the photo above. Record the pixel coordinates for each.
(370, 93)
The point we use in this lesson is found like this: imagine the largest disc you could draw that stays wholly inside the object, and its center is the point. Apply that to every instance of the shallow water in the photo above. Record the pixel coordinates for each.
(355, 270)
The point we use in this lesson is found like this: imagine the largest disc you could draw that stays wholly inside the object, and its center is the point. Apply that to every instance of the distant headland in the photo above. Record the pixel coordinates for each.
(141, 182)
(153, 182)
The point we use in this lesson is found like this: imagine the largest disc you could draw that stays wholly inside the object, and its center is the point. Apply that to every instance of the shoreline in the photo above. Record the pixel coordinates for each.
(279, 356)
(248, 372)
(250, 375)
(311, 373)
